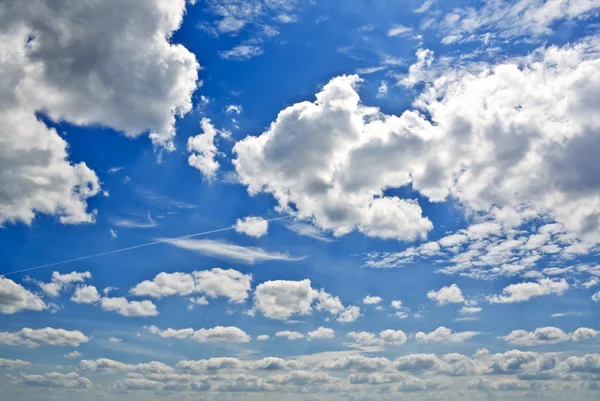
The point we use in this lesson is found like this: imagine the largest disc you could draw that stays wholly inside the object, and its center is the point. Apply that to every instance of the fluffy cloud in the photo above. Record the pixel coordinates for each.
(128, 308)
(372, 300)
(73, 355)
(219, 333)
(523, 292)
(15, 298)
(55, 379)
(451, 294)
(332, 158)
(209, 365)
(445, 335)
(543, 335)
(86, 295)
(290, 335)
(224, 250)
(294, 161)
(61, 282)
(386, 337)
(584, 333)
(13, 363)
(211, 283)
(322, 333)
(108, 365)
(47, 66)
(203, 150)
(48, 336)
(253, 226)
(281, 299)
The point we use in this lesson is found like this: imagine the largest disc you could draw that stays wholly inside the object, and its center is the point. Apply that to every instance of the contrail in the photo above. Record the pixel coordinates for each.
(130, 248)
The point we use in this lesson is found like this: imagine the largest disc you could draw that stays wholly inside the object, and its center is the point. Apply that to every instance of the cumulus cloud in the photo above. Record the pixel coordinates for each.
(543, 335)
(385, 337)
(56, 380)
(584, 334)
(322, 333)
(253, 226)
(281, 299)
(203, 150)
(224, 250)
(61, 282)
(293, 161)
(13, 363)
(523, 292)
(128, 308)
(445, 335)
(73, 355)
(445, 295)
(47, 66)
(372, 300)
(31, 338)
(218, 333)
(15, 298)
(211, 283)
(290, 335)
(109, 365)
(86, 295)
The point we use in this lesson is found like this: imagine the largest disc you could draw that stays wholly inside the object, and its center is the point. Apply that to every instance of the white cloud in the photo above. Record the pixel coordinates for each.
(470, 310)
(308, 230)
(523, 292)
(386, 337)
(445, 335)
(223, 250)
(253, 226)
(372, 300)
(382, 91)
(349, 315)
(15, 298)
(596, 297)
(73, 355)
(108, 365)
(290, 335)
(86, 295)
(584, 334)
(302, 170)
(445, 295)
(13, 363)
(424, 7)
(47, 67)
(48, 336)
(543, 335)
(114, 340)
(322, 333)
(262, 337)
(244, 51)
(113, 233)
(218, 333)
(211, 283)
(128, 308)
(282, 299)
(54, 379)
(234, 109)
(60, 282)
(209, 365)
(203, 150)
(399, 30)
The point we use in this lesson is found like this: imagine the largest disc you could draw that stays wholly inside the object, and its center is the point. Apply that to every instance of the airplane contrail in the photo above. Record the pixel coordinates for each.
(130, 248)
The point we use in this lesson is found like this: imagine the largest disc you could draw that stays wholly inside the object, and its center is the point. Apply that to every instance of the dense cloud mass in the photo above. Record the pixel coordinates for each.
(331, 160)
(104, 63)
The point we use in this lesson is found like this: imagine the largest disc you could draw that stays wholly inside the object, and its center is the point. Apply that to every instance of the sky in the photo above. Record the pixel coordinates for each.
(299, 200)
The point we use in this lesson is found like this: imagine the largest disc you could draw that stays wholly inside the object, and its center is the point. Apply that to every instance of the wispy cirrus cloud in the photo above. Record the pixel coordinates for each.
(227, 251)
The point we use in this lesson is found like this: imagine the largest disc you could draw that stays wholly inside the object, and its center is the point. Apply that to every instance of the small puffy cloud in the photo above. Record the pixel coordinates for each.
(109, 365)
(386, 337)
(290, 335)
(31, 338)
(211, 283)
(73, 355)
(262, 337)
(128, 308)
(372, 300)
(470, 310)
(234, 109)
(60, 282)
(56, 380)
(445, 295)
(218, 333)
(203, 150)
(584, 334)
(15, 298)
(114, 340)
(523, 292)
(86, 295)
(13, 363)
(322, 333)
(282, 299)
(541, 336)
(399, 30)
(226, 251)
(209, 365)
(445, 335)
(252, 226)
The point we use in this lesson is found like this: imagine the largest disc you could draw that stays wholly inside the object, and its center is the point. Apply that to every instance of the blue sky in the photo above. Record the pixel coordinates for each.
(289, 199)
